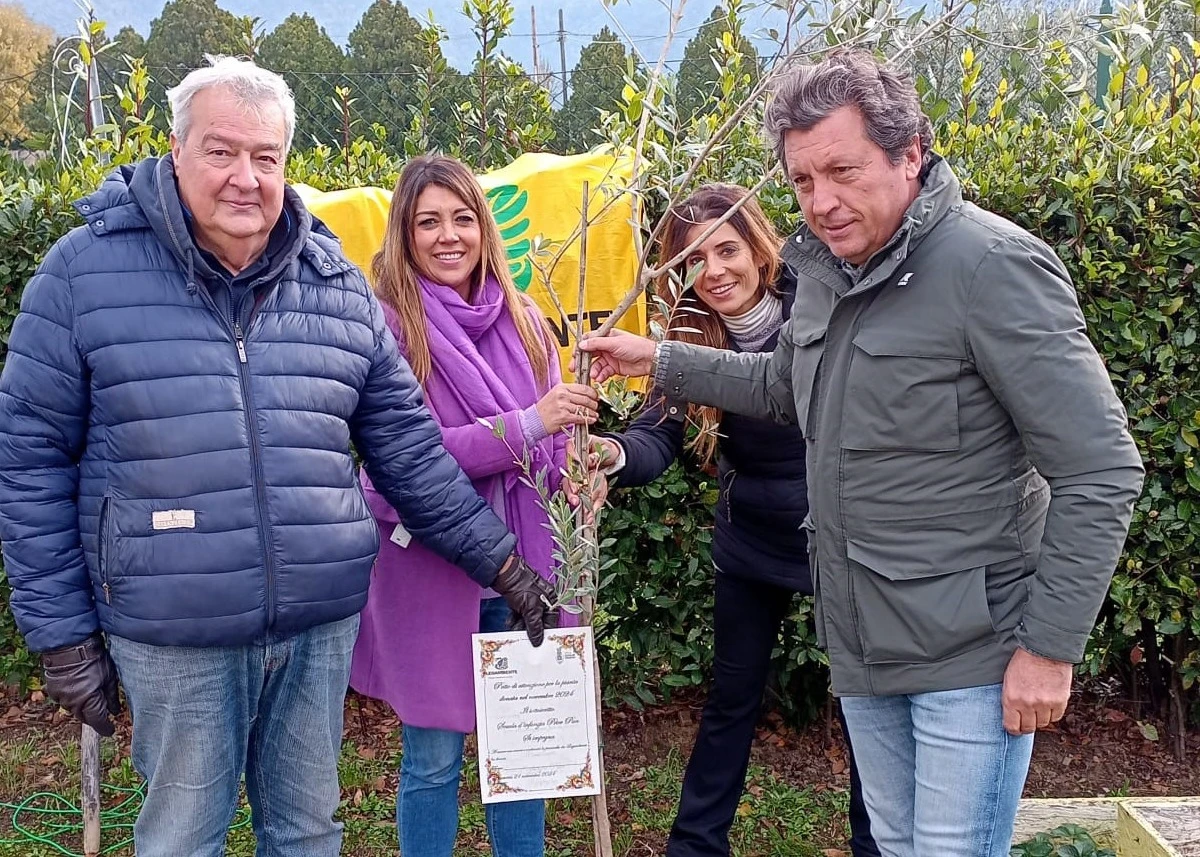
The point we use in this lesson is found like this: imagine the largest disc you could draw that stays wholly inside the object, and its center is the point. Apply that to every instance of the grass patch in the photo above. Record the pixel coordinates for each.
(775, 819)
(14, 758)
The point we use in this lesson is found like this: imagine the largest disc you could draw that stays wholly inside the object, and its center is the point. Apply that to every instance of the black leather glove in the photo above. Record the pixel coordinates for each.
(83, 680)
(528, 596)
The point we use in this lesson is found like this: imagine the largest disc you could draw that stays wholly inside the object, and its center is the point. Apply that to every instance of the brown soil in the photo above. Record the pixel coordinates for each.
(1098, 749)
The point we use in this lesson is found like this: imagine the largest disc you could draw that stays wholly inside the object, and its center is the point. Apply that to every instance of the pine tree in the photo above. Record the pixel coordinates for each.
(596, 84)
(301, 51)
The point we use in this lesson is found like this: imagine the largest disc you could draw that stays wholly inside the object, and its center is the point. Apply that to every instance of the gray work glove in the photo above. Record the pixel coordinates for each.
(528, 596)
(83, 679)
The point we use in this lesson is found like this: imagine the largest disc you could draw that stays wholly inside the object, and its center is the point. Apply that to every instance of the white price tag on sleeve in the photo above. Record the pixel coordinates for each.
(400, 536)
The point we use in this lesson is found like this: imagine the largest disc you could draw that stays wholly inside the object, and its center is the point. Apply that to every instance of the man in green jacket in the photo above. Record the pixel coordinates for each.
(971, 474)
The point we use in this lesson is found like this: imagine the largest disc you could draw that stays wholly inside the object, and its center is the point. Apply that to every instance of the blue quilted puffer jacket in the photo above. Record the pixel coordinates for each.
(170, 478)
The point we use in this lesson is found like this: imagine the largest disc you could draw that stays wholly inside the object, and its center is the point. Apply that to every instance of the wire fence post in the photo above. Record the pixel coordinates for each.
(562, 55)
(95, 105)
(1103, 60)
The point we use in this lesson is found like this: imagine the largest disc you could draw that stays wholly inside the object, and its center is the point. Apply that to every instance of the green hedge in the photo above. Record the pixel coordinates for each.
(1114, 192)
(1117, 194)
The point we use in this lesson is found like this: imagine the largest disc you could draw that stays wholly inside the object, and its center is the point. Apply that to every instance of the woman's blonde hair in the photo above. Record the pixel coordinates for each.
(395, 271)
(690, 319)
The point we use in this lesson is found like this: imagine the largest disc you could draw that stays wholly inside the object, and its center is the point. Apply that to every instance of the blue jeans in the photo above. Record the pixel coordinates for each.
(940, 775)
(430, 770)
(202, 716)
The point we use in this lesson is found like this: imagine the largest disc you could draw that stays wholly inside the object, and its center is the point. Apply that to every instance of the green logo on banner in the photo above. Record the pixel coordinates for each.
(508, 203)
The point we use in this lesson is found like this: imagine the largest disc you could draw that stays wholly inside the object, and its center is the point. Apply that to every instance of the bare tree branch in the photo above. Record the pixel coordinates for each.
(645, 275)
(621, 29)
(722, 132)
(655, 273)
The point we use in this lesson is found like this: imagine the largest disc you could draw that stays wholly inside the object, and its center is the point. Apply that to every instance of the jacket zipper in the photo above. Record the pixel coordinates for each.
(729, 496)
(260, 490)
(251, 429)
(260, 493)
(813, 422)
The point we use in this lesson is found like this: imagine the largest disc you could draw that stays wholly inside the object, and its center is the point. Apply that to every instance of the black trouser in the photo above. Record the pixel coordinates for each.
(746, 622)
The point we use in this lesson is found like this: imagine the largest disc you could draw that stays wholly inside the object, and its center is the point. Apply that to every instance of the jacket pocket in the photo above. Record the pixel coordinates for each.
(808, 346)
(104, 546)
(818, 607)
(900, 396)
(910, 613)
(366, 511)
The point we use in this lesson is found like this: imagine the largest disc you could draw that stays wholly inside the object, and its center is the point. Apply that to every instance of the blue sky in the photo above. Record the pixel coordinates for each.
(644, 20)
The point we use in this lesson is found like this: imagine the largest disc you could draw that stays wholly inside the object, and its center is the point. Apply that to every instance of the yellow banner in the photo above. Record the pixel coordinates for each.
(537, 195)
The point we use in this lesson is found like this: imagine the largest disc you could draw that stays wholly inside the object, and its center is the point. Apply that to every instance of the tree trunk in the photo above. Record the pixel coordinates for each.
(1155, 684)
(1177, 711)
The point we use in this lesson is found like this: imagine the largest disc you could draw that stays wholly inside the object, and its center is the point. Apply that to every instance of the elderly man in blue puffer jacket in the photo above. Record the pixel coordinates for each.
(183, 383)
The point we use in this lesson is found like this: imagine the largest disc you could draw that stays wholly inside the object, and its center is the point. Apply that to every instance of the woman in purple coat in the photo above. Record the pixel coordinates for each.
(481, 351)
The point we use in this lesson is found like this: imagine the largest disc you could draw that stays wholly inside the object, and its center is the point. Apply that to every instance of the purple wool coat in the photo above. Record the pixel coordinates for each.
(414, 643)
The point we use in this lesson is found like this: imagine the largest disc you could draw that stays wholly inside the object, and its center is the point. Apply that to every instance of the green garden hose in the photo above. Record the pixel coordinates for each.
(49, 819)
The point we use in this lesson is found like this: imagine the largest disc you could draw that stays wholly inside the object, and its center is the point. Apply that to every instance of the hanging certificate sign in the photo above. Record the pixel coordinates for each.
(536, 715)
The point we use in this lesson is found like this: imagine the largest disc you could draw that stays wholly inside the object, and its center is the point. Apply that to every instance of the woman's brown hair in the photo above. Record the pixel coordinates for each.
(689, 319)
(395, 271)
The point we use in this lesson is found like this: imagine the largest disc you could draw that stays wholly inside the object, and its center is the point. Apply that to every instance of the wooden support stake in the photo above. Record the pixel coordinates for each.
(601, 827)
(89, 789)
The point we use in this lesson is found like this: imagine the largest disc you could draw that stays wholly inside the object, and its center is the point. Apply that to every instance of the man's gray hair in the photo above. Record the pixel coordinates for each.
(886, 98)
(254, 88)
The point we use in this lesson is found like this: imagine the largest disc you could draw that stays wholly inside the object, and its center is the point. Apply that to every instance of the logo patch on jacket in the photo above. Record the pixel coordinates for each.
(174, 519)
